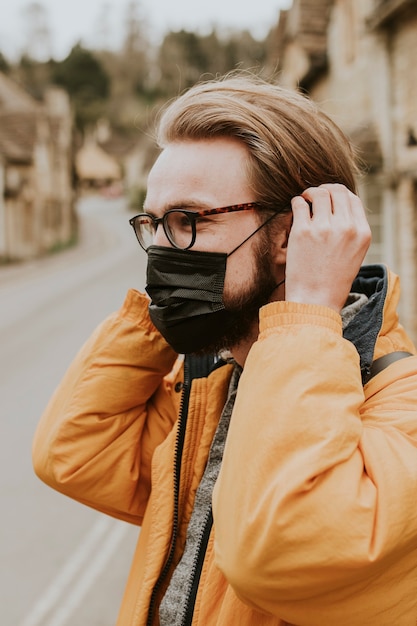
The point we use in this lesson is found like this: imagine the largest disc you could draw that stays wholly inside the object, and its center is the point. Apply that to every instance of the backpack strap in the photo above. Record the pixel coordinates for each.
(201, 365)
(380, 364)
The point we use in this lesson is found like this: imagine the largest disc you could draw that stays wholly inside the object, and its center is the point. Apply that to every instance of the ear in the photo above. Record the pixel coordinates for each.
(280, 243)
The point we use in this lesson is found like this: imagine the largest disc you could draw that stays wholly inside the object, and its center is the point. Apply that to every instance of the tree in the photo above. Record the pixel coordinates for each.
(134, 55)
(33, 75)
(182, 59)
(4, 64)
(185, 57)
(38, 34)
(84, 78)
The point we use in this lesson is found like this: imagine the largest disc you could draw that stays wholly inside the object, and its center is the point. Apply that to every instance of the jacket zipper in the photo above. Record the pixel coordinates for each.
(179, 444)
(187, 617)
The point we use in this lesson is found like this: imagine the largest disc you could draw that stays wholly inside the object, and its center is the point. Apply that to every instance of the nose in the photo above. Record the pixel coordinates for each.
(160, 238)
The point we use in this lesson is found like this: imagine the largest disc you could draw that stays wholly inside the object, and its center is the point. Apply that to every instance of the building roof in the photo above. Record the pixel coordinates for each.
(118, 145)
(93, 163)
(14, 98)
(18, 121)
(18, 135)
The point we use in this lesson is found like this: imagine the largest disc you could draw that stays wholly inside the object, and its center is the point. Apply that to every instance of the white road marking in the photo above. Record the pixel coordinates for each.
(72, 583)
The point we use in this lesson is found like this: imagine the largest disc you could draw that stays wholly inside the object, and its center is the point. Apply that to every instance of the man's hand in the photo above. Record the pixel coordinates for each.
(326, 247)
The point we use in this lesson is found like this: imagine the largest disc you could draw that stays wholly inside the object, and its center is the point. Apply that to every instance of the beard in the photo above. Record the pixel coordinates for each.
(243, 306)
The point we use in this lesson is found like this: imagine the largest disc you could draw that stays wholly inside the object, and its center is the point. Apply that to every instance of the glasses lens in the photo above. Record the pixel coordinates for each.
(145, 230)
(179, 228)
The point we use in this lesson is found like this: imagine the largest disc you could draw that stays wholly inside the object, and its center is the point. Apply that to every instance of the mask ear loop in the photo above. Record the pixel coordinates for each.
(252, 234)
(281, 282)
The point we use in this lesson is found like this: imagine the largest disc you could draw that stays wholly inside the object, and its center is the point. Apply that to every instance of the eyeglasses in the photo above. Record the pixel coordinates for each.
(180, 225)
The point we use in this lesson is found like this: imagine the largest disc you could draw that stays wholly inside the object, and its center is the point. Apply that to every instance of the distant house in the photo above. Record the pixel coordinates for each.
(36, 192)
(96, 168)
(115, 163)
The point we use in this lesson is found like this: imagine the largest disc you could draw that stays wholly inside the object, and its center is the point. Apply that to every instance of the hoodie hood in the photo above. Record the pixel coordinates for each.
(364, 328)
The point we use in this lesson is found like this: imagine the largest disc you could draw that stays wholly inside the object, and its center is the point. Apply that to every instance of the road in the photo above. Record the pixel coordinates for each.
(61, 563)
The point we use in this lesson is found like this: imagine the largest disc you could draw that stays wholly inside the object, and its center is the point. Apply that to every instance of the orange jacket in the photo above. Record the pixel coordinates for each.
(315, 508)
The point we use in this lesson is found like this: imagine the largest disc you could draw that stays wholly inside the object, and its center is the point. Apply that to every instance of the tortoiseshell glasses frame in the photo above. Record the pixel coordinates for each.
(179, 224)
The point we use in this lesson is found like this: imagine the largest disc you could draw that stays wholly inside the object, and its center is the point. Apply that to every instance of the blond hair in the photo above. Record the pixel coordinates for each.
(292, 145)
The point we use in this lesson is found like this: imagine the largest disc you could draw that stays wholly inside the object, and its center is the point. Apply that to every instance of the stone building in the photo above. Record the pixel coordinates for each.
(357, 59)
(36, 195)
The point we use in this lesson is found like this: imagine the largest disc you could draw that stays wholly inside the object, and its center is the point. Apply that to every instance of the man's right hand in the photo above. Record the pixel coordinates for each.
(328, 241)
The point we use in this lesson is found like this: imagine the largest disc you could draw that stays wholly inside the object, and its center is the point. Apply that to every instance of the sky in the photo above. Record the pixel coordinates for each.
(94, 22)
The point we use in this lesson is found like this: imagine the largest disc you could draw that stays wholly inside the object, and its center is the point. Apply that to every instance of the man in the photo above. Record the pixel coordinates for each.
(276, 482)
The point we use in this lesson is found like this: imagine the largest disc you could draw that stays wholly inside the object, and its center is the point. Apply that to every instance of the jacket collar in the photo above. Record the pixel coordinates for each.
(364, 328)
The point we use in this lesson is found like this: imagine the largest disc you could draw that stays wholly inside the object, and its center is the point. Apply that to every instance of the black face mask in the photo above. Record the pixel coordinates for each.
(186, 291)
